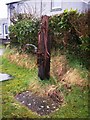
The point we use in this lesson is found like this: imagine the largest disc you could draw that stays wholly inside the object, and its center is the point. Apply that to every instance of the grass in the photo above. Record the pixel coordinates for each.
(76, 105)
(1, 46)
(76, 100)
(80, 64)
(22, 78)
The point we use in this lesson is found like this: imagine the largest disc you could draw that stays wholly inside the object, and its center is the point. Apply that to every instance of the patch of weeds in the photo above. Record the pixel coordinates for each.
(41, 87)
(76, 104)
(21, 59)
(51, 81)
(76, 63)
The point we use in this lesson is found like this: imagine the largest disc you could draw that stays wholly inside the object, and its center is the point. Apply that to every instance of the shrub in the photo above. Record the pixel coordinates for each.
(69, 28)
(23, 32)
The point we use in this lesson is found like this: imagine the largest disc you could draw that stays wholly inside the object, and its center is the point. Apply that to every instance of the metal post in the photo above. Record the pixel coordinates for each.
(43, 50)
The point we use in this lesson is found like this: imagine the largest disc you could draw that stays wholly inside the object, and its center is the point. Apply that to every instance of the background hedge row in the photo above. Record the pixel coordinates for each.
(66, 28)
(68, 31)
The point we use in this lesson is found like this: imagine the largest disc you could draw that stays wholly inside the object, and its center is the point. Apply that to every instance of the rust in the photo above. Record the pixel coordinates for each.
(43, 53)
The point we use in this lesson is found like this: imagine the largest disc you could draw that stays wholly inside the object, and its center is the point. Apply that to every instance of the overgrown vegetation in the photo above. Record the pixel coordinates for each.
(68, 31)
(24, 32)
(75, 95)
(70, 62)
(70, 27)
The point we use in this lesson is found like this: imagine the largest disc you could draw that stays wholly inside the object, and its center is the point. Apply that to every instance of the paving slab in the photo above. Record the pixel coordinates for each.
(4, 77)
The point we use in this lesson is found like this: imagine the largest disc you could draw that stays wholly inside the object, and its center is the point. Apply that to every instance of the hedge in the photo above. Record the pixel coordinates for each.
(69, 29)
(23, 32)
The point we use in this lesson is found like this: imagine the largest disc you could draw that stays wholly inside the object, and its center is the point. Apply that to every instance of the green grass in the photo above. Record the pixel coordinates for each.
(78, 64)
(22, 78)
(1, 46)
(76, 101)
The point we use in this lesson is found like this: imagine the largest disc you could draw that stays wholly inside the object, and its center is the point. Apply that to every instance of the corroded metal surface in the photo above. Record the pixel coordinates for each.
(43, 50)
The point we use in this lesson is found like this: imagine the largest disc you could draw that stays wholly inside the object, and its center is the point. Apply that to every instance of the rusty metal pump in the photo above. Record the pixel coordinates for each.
(43, 52)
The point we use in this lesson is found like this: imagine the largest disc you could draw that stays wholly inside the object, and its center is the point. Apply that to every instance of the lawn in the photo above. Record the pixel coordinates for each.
(75, 101)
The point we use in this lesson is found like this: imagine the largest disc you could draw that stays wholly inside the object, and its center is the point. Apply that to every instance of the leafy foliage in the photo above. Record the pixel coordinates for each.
(23, 32)
(69, 32)
(69, 27)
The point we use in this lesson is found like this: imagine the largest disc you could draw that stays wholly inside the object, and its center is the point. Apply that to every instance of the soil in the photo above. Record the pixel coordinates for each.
(40, 105)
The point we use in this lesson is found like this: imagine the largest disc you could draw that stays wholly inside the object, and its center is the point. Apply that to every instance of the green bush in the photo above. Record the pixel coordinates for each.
(69, 28)
(23, 32)
(69, 32)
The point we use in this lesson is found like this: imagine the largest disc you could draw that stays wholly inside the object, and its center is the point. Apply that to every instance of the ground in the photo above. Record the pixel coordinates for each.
(65, 83)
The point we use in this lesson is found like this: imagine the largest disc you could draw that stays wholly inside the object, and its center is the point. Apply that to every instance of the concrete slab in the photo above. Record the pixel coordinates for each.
(4, 77)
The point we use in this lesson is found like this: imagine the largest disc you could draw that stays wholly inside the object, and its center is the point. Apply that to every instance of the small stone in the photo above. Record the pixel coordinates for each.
(48, 107)
(29, 104)
(23, 102)
(57, 109)
(54, 107)
(34, 102)
(42, 106)
(52, 104)
(23, 96)
(44, 101)
(27, 91)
